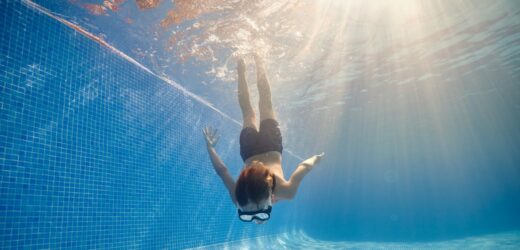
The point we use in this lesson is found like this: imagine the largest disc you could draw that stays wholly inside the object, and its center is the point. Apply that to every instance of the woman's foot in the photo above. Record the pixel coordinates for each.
(260, 70)
(258, 59)
(241, 66)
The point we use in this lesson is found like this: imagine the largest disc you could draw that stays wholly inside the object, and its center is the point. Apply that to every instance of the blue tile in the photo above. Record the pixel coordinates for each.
(96, 153)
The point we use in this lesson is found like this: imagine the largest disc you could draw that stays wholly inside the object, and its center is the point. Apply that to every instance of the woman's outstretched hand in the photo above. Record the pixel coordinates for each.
(311, 162)
(318, 157)
(210, 135)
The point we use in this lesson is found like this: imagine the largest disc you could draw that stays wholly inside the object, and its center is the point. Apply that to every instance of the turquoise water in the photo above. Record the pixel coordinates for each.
(415, 104)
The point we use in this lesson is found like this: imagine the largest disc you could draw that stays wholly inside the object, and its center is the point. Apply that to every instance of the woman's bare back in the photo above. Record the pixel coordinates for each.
(271, 159)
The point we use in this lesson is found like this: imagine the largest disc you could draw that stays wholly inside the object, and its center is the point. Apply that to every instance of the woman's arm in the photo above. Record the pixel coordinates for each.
(296, 178)
(218, 164)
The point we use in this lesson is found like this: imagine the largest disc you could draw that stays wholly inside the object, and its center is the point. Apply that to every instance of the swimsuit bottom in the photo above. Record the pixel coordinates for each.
(253, 142)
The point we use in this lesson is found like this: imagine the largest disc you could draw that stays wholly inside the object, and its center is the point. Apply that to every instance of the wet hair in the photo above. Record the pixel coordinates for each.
(252, 184)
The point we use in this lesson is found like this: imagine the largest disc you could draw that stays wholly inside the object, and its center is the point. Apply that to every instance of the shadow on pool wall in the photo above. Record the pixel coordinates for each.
(97, 153)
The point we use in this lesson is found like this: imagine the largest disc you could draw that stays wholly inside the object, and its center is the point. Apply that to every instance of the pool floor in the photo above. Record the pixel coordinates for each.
(300, 240)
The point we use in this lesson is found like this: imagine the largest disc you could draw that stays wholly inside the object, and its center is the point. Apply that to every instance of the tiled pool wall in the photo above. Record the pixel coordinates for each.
(95, 152)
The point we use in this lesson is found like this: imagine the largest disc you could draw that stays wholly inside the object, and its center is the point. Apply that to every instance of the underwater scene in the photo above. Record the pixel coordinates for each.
(379, 124)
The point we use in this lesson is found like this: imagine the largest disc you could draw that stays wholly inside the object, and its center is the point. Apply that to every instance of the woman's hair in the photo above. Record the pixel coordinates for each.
(252, 184)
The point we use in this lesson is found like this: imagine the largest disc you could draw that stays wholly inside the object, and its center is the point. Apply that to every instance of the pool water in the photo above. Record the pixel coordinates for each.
(416, 106)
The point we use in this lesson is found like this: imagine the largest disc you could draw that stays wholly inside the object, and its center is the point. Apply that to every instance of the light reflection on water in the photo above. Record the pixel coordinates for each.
(300, 240)
(318, 53)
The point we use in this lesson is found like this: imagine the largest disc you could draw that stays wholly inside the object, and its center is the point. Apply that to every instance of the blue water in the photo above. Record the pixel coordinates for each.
(101, 148)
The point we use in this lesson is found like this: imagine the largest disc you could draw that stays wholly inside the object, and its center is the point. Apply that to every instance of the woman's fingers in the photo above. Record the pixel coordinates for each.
(318, 157)
(207, 133)
(211, 135)
(206, 137)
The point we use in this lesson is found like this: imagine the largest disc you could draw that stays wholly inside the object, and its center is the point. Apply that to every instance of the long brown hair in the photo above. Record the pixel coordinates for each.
(252, 184)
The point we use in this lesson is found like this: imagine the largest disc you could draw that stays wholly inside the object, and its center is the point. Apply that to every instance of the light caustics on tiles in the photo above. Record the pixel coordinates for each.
(300, 240)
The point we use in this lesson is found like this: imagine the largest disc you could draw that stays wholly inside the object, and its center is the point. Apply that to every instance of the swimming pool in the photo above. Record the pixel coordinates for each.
(101, 148)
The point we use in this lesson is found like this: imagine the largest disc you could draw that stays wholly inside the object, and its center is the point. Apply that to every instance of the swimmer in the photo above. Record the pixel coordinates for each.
(261, 182)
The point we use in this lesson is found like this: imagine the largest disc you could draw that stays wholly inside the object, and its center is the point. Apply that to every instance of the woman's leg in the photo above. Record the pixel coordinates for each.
(248, 114)
(269, 134)
(264, 91)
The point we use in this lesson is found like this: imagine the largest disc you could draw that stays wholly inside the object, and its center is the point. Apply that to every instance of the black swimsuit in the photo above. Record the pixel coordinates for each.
(253, 142)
